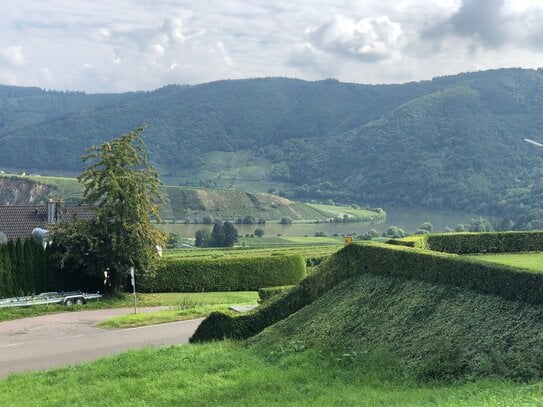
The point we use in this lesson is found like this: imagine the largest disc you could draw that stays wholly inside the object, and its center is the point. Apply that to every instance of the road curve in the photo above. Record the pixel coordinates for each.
(55, 340)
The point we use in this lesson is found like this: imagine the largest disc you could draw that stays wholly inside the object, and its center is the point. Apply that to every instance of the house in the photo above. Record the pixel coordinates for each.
(18, 221)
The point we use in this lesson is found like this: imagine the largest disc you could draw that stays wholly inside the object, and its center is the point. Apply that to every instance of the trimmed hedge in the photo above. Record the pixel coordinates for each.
(436, 268)
(232, 274)
(266, 293)
(24, 268)
(467, 243)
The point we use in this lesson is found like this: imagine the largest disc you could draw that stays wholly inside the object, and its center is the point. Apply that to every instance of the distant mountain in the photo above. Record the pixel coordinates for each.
(453, 142)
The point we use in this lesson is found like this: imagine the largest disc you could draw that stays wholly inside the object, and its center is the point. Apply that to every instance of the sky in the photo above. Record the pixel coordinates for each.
(129, 45)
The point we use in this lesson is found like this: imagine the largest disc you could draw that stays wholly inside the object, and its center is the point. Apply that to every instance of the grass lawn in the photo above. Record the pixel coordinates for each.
(234, 374)
(532, 261)
(179, 301)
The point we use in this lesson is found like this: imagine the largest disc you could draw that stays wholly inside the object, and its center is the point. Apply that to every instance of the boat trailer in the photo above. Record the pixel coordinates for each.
(68, 299)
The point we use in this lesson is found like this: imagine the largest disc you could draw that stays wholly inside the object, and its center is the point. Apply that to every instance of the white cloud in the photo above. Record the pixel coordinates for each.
(137, 45)
(368, 39)
(12, 55)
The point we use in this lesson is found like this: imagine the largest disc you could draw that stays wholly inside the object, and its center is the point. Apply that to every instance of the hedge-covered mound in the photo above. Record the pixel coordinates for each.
(231, 274)
(436, 268)
(467, 243)
(429, 331)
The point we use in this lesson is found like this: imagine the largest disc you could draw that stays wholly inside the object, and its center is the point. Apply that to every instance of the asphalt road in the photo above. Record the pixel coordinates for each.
(55, 340)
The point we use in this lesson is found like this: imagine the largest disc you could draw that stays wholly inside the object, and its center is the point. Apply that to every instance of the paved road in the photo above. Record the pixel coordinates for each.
(59, 339)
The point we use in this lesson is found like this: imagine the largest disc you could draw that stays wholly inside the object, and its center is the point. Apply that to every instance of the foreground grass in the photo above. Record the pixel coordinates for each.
(532, 261)
(180, 312)
(232, 374)
(179, 300)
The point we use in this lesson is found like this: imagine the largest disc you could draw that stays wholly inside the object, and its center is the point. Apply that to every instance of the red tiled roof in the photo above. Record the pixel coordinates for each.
(18, 221)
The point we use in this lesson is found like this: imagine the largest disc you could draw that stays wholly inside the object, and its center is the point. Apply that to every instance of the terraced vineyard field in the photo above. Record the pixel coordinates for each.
(195, 204)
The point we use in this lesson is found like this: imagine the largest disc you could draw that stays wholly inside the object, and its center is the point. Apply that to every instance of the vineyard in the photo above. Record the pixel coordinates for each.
(203, 205)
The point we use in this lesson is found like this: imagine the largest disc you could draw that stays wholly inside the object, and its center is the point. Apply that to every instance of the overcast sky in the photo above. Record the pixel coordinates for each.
(124, 45)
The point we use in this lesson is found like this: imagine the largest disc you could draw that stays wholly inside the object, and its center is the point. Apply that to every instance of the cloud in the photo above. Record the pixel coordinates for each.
(489, 24)
(481, 18)
(366, 39)
(307, 58)
(137, 45)
(12, 56)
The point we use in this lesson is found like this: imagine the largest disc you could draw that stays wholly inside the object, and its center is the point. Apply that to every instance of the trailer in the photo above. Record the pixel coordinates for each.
(53, 297)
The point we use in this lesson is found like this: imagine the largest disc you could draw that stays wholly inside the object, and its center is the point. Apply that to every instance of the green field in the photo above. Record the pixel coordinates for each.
(215, 253)
(532, 261)
(183, 306)
(232, 374)
(263, 242)
(335, 211)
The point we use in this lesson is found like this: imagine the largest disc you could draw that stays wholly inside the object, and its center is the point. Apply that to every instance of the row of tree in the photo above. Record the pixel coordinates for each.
(223, 235)
(25, 269)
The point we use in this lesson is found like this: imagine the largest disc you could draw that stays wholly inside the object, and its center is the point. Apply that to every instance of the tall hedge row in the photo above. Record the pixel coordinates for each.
(437, 268)
(24, 269)
(235, 274)
(465, 243)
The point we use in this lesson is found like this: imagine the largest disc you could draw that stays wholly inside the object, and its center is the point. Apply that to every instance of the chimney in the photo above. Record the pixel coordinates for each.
(54, 211)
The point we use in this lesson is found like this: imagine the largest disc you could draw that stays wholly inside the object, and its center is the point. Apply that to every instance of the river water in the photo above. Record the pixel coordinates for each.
(408, 219)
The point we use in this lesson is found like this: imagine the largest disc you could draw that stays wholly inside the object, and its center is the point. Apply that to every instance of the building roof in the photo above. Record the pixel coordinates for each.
(18, 221)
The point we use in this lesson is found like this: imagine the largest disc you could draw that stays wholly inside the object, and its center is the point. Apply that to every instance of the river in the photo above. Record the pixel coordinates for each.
(408, 219)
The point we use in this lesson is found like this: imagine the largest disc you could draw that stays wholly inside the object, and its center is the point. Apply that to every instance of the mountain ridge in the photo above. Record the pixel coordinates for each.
(451, 142)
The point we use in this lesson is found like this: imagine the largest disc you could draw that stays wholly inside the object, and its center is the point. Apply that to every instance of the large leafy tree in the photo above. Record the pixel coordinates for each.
(125, 192)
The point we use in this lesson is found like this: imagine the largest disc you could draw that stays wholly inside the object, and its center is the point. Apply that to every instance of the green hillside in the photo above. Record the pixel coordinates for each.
(452, 142)
(193, 204)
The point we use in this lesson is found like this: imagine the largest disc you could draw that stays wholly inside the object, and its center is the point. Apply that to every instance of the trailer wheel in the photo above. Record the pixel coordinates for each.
(69, 302)
(80, 301)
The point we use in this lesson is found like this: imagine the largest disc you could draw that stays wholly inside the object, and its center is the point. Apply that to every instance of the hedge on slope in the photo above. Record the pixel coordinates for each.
(510, 283)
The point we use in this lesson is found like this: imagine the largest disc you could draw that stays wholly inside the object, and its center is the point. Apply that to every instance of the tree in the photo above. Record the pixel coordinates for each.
(480, 225)
(202, 238)
(259, 232)
(224, 235)
(125, 193)
(230, 234)
(395, 232)
(426, 226)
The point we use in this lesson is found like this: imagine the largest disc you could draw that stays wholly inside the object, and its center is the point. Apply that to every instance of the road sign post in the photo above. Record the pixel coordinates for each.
(133, 281)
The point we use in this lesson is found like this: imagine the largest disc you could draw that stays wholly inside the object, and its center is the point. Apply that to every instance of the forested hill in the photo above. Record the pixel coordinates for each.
(453, 142)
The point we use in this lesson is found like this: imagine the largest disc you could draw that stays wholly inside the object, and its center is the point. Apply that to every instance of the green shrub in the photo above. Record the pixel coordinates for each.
(223, 274)
(266, 293)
